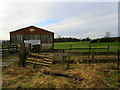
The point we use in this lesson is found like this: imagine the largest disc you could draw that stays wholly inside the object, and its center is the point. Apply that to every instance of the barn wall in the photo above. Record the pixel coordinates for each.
(46, 40)
(15, 39)
(46, 46)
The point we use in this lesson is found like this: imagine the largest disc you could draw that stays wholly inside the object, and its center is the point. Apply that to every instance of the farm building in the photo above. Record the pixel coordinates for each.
(34, 36)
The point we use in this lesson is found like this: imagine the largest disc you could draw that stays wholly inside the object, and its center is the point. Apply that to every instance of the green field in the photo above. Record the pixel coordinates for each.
(113, 46)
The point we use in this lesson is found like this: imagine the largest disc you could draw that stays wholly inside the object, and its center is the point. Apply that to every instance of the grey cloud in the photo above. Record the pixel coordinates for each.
(77, 19)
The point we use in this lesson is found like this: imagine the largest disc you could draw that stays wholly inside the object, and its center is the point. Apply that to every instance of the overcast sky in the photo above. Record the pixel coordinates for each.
(67, 19)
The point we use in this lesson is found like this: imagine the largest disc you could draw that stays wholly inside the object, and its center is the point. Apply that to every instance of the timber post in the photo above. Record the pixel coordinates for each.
(23, 52)
(63, 56)
(107, 51)
(93, 54)
(89, 51)
(22, 58)
(118, 63)
(70, 48)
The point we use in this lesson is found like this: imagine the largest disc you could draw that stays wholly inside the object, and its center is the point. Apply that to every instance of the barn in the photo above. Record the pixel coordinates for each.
(34, 36)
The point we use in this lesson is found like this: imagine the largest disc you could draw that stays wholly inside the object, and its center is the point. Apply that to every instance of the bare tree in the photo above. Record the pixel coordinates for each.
(58, 36)
(107, 34)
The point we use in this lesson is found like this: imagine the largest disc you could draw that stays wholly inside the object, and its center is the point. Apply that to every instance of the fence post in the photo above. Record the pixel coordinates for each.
(89, 51)
(118, 64)
(8, 47)
(63, 58)
(16, 47)
(70, 48)
(2, 49)
(108, 48)
(93, 54)
(107, 51)
(22, 55)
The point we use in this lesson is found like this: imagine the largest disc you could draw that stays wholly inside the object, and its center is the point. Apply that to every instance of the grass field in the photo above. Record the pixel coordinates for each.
(99, 75)
(113, 46)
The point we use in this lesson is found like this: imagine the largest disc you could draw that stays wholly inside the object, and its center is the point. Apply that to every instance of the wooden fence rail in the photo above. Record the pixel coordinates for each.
(101, 61)
(89, 48)
(8, 48)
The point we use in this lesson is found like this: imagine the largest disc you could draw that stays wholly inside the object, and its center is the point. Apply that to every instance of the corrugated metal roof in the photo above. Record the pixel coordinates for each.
(31, 30)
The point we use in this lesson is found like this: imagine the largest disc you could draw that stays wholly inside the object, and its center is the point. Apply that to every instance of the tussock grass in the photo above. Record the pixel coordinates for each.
(23, 78)
(110, 74)
(94, 76)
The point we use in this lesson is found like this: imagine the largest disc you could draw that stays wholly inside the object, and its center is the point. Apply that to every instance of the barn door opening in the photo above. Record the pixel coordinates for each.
(35, 44)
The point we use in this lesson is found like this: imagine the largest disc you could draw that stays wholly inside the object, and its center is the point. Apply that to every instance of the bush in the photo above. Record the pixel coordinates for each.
(94, 41)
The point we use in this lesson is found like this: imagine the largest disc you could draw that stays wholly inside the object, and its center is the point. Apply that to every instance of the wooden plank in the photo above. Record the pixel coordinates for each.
(41, 61)
(38, 63)
(35, 54)
(38, 59)
(47, 59)
(42, 56)
(64, 74)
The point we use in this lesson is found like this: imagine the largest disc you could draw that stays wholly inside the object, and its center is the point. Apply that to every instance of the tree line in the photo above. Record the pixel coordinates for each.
(70, 39)
(98, 40)
(106, 39)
